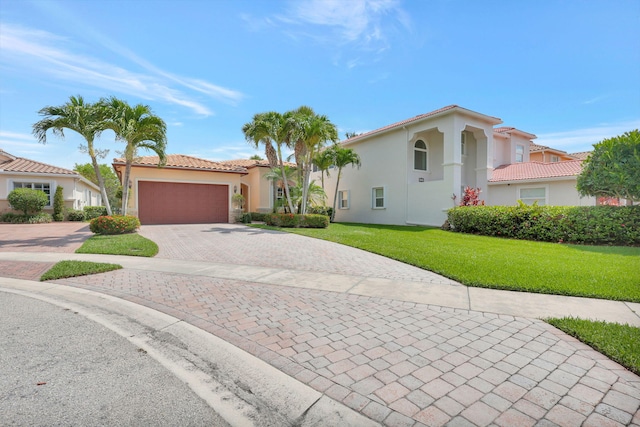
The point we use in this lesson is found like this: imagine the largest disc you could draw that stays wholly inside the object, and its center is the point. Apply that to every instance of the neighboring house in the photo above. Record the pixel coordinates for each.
(256, 189)
(186, 190)
(414, 170)
(544, 154)
(18, 172)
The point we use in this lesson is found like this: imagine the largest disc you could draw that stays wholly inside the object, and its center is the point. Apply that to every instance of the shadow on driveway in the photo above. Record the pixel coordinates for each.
(52, 237)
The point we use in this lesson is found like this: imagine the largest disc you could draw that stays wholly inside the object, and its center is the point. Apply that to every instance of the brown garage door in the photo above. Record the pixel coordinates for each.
(180, 203)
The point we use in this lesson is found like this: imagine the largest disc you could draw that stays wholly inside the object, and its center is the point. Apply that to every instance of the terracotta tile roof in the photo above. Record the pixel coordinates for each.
(414, 119)
(502, 129)
(180, 161)
(22, 165)
(246, 163)
(582, 155)
(536, 170)
(536, 147)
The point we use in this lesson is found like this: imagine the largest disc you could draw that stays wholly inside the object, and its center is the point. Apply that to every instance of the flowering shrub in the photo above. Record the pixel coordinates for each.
(471, 197)
(597, 225)
(116, 224)
(295, 220)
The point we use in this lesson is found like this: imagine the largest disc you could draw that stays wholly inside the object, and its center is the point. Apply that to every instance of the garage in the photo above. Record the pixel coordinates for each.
(182, 203)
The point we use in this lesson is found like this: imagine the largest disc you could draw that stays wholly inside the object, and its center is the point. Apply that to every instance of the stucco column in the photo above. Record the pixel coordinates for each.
(452, 164)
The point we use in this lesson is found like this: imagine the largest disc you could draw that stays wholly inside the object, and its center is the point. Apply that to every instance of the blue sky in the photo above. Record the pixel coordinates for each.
(567, 71)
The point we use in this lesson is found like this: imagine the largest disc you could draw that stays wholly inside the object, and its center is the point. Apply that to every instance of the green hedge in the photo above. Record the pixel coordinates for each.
(76, 215)
(597, 225)
(91, 212)
(15, 218)
(116, 224)
(295, 220)
(258, 216)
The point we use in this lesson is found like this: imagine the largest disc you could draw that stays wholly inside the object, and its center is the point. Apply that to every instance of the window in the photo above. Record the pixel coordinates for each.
(420, 155)
(343, 199)
(532, 195)
(279, 193)
(42, 186)
(378, 198)
(463, 144)
(519, 153)
(555, 159)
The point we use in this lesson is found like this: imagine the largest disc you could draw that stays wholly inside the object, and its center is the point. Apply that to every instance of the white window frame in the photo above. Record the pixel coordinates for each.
(520, 153)
(344, 199)
(425, 152)
(463, 144)
(51, 185)
(374, 198)
(554, 158)
(531, 200)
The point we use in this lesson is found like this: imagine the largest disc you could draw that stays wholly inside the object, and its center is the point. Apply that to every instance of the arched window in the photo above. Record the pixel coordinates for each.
(420, 155)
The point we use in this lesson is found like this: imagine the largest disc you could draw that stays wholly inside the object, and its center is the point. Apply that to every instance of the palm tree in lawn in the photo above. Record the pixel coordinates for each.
(271, 128)
(313, 131)
(138, 128)
(81, 117)
(323, 161)
(342, 157)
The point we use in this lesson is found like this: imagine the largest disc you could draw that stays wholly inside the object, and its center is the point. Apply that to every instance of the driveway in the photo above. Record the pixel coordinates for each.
(52, 237)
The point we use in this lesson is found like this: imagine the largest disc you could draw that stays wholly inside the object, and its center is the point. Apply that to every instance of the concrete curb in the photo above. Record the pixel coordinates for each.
(243, 389)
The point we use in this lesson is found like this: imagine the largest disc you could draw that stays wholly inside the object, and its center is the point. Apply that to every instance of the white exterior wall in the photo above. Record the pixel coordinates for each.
(501, 151)
(558, 193)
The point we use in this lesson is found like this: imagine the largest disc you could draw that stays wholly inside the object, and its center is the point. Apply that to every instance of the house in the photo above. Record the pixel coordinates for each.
(18, 172)
(544, 154)
(255, 187)
(414, 170)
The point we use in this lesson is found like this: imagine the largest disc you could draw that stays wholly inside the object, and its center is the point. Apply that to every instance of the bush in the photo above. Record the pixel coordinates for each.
(117, 224)
(258, 216)
(245, 218)
(321, 210)
(76, 215)
(295, 220)
(27, 200)
(14, 218)
(58, 205)
(91, 212)
(598, 225)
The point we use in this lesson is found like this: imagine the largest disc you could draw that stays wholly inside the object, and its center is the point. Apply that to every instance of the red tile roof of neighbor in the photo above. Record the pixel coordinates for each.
(417, 118)
(535, 148)
(180, 161)
(582, 155)
(246, 163)
(536, 170)
(22, 165)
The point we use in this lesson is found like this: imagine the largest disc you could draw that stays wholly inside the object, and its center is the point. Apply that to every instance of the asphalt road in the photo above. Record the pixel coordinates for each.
(59, 368)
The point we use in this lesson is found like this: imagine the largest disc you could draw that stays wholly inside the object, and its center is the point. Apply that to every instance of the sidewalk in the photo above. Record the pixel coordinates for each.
(401, 352)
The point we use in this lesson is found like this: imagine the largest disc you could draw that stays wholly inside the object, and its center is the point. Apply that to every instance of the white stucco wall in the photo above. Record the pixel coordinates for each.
(558, 193)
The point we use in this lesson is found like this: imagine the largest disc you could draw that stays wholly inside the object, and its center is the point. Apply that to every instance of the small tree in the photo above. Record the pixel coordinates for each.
(613, 168)
(58, 205)
(28, 200)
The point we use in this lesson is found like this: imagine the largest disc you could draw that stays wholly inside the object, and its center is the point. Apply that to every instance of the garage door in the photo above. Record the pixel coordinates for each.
(181, 203)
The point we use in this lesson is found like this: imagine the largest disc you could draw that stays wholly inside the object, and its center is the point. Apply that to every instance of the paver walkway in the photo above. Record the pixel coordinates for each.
(52, 237)
(399, 363)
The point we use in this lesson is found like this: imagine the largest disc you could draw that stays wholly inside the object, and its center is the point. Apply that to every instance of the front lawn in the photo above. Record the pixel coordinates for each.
(607, 272)
(77, 268)
(618, 342)
(119, 244)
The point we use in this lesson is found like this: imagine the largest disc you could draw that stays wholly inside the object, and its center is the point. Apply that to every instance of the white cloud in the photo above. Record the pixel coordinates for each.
(40, 51)
(583, 139)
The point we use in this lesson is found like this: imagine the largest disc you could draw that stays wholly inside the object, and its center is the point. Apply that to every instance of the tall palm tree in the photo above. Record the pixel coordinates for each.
(342, 157)
(271, 128)
(138, 128)
(84, 118)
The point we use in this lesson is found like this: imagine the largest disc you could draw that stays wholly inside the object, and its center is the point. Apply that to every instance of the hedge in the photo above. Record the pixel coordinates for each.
(296, 220)
(596, 225)
(117, 224)
(76, 215)
(15, 218)
(91, 212)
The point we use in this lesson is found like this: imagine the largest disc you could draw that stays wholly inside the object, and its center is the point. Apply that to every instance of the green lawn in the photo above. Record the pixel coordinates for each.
(608, 272)
(77, 268)
(618, 342)
(119, 244)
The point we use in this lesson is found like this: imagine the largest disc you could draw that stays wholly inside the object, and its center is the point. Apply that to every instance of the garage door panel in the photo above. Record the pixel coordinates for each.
(182, 203)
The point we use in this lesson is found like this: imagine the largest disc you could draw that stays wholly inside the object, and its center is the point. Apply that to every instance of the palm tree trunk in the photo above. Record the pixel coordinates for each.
(103, 190)
(125, 188)
(335, 196)
(286, 182)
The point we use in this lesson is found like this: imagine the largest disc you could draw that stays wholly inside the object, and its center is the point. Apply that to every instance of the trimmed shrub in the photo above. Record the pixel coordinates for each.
(596, 225)
(296, 220)
(76, 215)
(321, 210)
(245, 218)
(14, 218)
(117, 224)
(258, 216)
(58, 205)
(27, 200)
(91, 212)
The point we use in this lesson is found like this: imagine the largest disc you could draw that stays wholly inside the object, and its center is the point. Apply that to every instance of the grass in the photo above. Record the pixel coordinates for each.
(620, 343)
(607, 272)
(119, 244)
(77, 268)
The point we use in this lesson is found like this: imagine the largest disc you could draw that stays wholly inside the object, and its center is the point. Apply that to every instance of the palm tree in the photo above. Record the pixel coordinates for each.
(83, 118)
(271, 128)
(139, 128)
(342, 157)
(312, 132)
(275, 176)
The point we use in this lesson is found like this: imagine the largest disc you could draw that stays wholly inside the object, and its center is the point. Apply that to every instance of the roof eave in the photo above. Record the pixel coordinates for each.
(526, 180)
(244, 172)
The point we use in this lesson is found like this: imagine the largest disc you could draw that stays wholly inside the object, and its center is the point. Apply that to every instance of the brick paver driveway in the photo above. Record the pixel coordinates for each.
(399, 363)
(52, 237)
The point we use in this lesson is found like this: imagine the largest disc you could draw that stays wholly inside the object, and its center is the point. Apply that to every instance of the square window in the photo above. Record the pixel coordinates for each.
(343, 199)
(533, 195)
(378, 198)
(42, 186)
